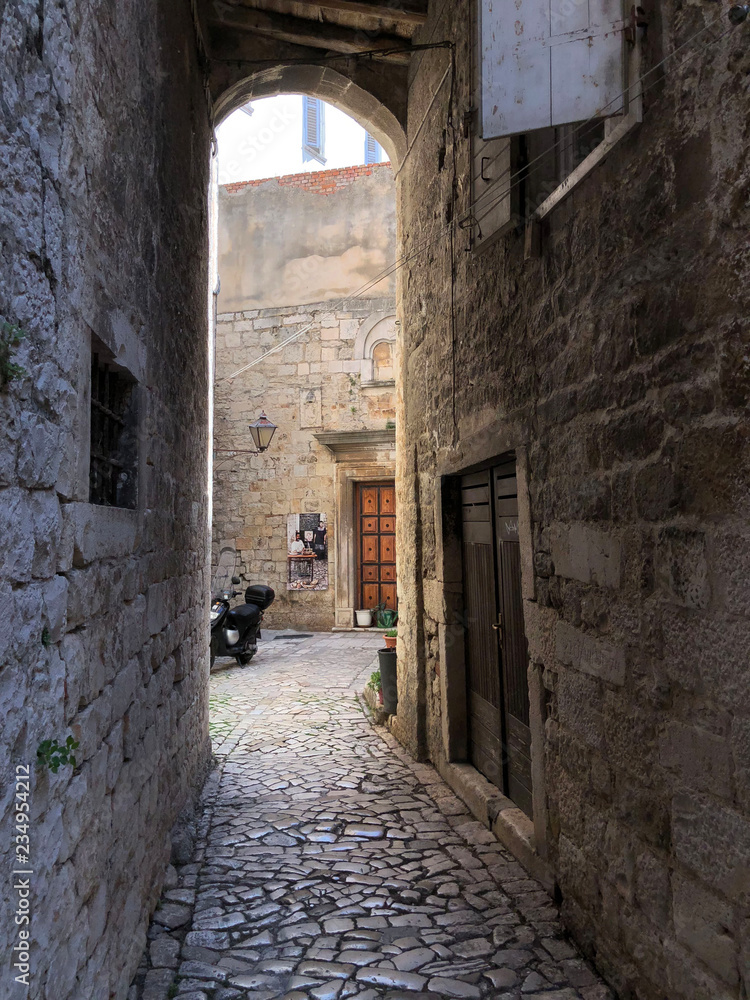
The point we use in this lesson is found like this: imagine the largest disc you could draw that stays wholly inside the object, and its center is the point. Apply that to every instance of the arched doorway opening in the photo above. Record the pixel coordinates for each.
(306, 260)
(329, 85)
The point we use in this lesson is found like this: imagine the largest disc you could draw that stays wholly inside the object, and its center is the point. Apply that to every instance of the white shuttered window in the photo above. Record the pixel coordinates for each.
(550, 62)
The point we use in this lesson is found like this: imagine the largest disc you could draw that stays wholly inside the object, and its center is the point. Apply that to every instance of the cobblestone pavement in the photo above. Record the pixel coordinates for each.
(330, 865)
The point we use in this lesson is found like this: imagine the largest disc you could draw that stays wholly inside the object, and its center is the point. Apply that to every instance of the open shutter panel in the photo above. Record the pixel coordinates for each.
(312, 130)
(312, 123)
(542, 67)
(371, 149)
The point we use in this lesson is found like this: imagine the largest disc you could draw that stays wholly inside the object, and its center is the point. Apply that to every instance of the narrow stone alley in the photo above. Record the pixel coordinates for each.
(330, 865)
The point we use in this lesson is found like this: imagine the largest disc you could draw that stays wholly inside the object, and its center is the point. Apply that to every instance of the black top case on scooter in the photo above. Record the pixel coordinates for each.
(258, 593)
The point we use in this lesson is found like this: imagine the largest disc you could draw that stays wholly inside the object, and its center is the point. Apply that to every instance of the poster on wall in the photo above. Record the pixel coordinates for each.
(307, 552)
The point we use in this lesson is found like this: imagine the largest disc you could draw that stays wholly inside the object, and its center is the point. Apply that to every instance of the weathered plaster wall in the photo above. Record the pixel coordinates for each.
(280, 241)
(616, 366)
(104, 159)
(299, 239)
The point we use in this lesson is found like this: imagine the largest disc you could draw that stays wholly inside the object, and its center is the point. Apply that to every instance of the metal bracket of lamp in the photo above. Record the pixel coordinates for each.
(262, 431)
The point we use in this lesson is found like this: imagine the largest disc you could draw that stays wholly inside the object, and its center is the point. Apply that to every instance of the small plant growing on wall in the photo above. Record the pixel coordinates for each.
(10, 337)
(53, 755)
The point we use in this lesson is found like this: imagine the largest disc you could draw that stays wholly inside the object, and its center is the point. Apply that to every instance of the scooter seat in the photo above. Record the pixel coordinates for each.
(243, 616)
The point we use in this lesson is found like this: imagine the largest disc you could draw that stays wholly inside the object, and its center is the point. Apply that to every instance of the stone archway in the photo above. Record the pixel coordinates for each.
(381, 116)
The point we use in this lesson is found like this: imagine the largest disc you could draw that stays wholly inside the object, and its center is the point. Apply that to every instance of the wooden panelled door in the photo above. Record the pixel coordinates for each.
(376, 516)
(496, 653)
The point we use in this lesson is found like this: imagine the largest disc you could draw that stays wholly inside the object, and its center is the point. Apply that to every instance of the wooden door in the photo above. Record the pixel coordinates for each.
(496, 655)
(513, 649)
(480, 608)
(376, 515)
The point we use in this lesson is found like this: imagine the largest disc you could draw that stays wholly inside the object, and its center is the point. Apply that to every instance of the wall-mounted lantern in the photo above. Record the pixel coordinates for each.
(262, 431)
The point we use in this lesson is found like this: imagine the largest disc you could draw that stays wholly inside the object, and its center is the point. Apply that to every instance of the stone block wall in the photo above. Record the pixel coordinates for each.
(615, 366)
(104, 155)
(300, 254)
(314, 384)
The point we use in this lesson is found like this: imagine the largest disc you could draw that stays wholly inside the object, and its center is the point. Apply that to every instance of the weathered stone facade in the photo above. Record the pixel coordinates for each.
(614, 366)
(289, 250)
(104, 153)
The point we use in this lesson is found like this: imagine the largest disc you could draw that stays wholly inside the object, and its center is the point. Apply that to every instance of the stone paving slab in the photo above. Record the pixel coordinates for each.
(330, 865)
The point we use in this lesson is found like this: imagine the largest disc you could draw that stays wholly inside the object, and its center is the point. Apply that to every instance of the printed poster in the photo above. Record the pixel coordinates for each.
(307, 552)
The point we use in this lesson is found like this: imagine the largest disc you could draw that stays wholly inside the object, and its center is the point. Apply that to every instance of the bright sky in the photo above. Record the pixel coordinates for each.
(268, 143)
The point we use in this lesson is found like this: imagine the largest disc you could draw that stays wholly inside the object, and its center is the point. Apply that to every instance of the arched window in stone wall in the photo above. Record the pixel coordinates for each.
(382, 361)
(375, 349)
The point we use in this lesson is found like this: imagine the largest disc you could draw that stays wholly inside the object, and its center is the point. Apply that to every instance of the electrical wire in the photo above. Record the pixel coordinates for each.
(334, 56)
(467, 216)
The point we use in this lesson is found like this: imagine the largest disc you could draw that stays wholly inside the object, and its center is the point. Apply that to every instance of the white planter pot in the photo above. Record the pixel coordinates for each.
(364, 618)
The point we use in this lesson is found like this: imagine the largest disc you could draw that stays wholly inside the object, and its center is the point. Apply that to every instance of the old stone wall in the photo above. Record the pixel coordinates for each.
(326, 380)
(614, 364)
(282, 242)
(104, 151)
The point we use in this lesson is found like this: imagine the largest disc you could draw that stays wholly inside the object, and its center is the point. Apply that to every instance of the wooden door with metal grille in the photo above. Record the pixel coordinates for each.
(376, 516)
(513, 648)
(480, 609)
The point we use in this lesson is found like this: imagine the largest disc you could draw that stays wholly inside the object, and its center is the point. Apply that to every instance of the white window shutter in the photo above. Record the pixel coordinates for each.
(550, 62)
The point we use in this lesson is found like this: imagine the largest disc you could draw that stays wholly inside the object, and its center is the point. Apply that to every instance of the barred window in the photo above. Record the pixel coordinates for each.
(114, 437)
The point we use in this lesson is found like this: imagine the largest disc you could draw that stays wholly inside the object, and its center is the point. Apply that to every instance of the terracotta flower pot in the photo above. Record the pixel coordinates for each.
(390, 641)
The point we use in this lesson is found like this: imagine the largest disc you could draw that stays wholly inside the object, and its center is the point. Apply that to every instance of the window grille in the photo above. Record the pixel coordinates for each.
(112, 468)
(313, 130)
(372, 149)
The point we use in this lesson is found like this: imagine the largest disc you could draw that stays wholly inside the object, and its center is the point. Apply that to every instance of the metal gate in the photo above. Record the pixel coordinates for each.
(496, 653)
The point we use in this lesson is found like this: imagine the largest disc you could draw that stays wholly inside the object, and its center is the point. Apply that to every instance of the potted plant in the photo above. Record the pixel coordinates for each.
(385, 617)
(364, 618)
(390, 638)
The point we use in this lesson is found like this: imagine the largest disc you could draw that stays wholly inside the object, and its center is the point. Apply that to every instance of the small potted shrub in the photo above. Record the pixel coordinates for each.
(390, 638)
(385, 617)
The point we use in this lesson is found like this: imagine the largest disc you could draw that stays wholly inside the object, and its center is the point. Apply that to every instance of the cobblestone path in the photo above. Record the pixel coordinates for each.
(330, 865)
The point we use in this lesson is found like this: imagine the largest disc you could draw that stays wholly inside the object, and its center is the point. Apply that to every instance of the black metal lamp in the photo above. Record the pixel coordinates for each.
(262, 431)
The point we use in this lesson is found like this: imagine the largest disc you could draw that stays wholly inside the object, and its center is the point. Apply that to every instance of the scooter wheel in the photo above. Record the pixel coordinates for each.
(244, 658)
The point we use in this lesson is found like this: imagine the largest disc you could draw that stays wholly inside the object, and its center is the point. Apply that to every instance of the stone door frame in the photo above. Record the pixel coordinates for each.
(481, 451)
(361, 457)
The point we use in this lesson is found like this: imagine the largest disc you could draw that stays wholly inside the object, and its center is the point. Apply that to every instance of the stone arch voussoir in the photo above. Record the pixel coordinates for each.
(330, 86)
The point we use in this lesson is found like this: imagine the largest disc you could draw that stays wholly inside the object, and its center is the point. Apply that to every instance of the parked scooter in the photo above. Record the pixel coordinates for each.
(235, 631)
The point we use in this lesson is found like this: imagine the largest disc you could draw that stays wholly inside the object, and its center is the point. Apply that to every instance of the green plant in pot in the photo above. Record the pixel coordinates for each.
(390, 638)
(385, 617)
